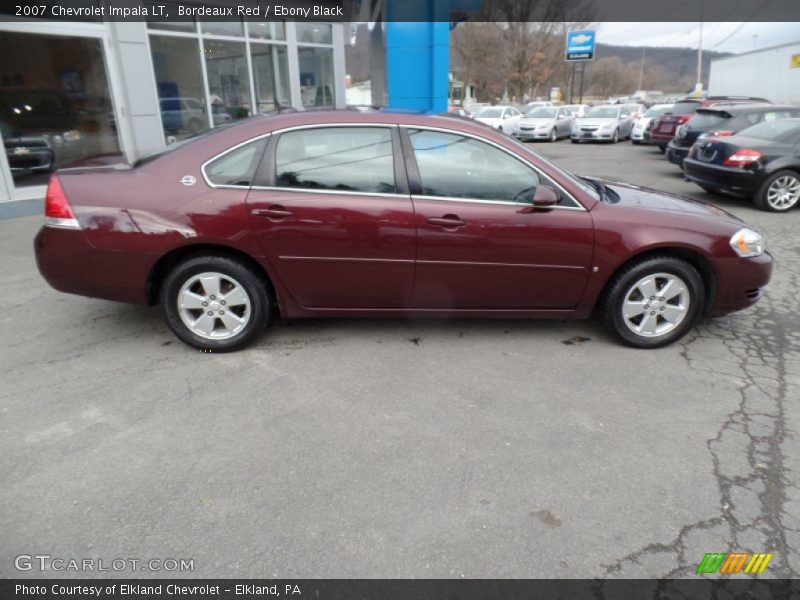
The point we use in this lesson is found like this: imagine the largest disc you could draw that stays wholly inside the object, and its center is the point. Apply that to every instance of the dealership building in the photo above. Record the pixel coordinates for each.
(91, 90)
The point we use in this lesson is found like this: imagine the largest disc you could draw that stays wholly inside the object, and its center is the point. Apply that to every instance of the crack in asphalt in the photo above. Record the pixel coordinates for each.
(748, 461)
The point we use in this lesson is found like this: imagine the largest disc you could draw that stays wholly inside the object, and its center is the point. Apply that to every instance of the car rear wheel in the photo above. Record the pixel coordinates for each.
(654, 302)
(780, 192)
(215, 303)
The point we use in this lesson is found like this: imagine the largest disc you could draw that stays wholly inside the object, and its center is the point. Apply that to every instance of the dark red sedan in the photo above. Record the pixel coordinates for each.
(385, 214)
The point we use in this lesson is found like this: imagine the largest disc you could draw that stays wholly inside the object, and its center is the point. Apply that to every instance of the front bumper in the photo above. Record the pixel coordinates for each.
(731, 179)
(33, 160)
(598, 135)
(534, 134)
(740, 282)
(70, 264)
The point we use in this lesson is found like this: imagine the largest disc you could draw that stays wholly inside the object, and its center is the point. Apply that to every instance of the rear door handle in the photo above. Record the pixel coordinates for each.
(447, 221)
(273, 212)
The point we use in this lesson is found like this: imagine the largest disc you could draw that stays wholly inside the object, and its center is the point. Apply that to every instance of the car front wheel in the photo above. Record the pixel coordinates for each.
(215, 303)
(615, 139)
(654, 302)
(553, 135)
(780, 192)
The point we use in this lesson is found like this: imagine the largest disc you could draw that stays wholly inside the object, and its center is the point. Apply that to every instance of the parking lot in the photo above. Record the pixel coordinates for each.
(403, 448)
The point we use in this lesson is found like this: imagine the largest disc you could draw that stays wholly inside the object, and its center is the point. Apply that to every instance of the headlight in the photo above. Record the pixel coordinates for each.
(747, 243)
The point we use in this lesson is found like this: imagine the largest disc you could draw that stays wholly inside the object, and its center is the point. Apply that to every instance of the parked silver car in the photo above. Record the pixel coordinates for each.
(544, 123)
(610, 123)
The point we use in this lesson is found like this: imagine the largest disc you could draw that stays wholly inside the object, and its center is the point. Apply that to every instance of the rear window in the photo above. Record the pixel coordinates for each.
(706, 120)
(776, 131)
(684, 108)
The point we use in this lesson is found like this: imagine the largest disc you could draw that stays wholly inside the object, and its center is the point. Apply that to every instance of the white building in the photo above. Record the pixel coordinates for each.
(73, 90)
(771, 73)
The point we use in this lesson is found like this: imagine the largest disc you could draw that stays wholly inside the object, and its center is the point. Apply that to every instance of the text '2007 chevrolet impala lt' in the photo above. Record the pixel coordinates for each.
(365, 214)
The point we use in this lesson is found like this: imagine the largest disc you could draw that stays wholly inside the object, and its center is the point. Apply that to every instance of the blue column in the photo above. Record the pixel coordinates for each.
(418, 55)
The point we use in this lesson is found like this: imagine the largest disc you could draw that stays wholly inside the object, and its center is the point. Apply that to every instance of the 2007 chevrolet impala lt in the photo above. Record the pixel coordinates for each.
(334, 213)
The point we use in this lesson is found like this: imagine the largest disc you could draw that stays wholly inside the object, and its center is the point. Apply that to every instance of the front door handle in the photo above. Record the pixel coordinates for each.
(273, 212)
(447, 221)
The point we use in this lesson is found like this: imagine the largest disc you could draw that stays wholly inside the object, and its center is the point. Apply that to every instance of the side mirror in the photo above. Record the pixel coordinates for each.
(544, 196)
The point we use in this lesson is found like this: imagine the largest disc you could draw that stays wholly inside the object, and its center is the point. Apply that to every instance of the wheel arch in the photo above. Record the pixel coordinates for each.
(175, 256)
(694, 257)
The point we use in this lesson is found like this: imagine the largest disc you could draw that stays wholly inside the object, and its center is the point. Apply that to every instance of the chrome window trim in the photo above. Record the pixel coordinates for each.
(578, 205)
(273, 188)
(496, 202)
(223, 153)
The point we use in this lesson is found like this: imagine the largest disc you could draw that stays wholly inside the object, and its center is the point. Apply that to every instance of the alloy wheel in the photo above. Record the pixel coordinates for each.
(784, 192)
(214, 306)
(656, 304)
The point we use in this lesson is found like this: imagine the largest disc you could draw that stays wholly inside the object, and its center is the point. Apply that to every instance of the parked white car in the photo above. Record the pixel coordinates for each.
(640, 126)
(500, 117)
(544, 123)
(603, 123)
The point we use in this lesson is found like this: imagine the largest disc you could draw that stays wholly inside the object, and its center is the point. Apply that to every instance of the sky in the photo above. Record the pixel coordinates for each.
(721, 36)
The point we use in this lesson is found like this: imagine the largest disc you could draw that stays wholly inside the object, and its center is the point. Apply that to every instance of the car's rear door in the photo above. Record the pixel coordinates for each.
(481, 244)
(331, 210)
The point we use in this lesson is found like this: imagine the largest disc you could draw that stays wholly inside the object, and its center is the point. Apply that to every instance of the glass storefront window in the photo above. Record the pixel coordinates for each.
(229, 28)
(55, 104)
(228, 81)
(314, 33)
(266, 30)
(176, 62)
(270, 76)
(316, 76)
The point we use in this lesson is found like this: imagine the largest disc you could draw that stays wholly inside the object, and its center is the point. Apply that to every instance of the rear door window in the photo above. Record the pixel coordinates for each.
(237, 167)
(354, 159)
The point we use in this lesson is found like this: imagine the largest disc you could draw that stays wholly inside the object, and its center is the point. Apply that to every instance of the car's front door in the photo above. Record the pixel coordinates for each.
(481, 243)
(563, 122)
(331, 211)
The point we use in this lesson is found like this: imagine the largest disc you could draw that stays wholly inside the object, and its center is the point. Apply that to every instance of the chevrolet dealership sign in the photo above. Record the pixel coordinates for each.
(580, 45)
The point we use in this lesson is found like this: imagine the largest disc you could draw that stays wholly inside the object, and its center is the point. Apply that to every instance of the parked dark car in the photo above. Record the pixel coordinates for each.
(761, 162)
(721, 121)
(379, 214)
(25, 152)
(663, 129)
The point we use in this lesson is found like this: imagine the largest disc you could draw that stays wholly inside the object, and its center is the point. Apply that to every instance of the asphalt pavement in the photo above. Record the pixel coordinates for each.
(402, 448)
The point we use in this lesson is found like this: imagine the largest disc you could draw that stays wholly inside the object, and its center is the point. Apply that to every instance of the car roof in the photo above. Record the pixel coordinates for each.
(742, 108)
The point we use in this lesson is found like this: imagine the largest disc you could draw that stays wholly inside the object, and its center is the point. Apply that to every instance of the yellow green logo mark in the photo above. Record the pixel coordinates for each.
(729, 563)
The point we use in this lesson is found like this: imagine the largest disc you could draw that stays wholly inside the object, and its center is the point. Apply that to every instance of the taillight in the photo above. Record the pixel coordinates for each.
(742, 157)
(720, 133)
(57, 211)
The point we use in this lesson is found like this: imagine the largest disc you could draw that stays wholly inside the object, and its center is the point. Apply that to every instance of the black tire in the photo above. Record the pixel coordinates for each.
(622, 284)
(252, 284)
(575, 141)
(662, 149)
(710, 188)
(761, 199)
(615, 139)
(637, 142)
(553, 135)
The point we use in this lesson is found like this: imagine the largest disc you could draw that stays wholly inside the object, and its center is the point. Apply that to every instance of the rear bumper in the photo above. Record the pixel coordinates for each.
(676, 154)
(658, 139)
(740, 282)
(69, 264)
(731, 179)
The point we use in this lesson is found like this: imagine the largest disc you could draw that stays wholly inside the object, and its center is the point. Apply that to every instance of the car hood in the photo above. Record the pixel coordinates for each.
(30, 141)
(653, 200)
(596, 122)
(536, 121)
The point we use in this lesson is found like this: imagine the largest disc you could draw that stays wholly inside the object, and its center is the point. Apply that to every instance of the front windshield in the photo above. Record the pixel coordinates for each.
(541, 113)
(657, 111)
(578, 181)
(491, 113)
(601, 112)
(777, 131)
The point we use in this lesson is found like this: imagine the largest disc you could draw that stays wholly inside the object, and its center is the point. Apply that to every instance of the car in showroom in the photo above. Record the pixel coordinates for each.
(663, 129)
(504, 118)
(642, 123)
(549, 123)
(384, 214)
(721, 121)
(610, 123)
(761, 162)
(25, 152)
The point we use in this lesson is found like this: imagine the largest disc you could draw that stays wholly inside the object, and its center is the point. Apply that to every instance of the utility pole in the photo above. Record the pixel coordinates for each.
(699, 85)
(641, 68)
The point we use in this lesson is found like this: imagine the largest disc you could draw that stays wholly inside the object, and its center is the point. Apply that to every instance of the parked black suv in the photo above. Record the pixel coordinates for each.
(721, 121)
